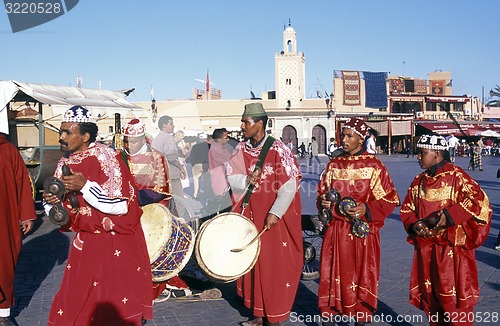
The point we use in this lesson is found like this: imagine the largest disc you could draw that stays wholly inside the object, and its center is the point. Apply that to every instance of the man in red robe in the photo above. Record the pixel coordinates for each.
(350, 260)
(447, 216)
(17, 213)
(108, 277)
(269, 288)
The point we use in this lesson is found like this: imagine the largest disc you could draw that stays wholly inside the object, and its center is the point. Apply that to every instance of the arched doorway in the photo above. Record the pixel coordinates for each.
(290, 134)
(320, 133)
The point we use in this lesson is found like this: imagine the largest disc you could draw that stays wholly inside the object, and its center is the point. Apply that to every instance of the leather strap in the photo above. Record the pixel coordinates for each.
(260, 161)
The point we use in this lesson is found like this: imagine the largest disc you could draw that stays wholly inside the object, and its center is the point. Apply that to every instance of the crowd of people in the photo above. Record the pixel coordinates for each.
(445, 214)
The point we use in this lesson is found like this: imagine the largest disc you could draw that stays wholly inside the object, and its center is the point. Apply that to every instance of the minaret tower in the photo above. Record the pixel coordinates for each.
(289, 72)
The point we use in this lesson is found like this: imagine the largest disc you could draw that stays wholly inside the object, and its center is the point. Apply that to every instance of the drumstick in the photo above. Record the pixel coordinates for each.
(253, 240)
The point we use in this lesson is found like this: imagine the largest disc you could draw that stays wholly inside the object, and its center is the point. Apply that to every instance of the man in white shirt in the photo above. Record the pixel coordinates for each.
(452, 146)
(332, 146)
(370, 144)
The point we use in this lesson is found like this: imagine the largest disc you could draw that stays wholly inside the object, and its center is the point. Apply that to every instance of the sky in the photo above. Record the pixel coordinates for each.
(168, 44)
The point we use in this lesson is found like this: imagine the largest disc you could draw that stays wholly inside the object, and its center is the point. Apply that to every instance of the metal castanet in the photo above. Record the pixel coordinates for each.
(73, 200)
(429, 222)
(346, 204)
(57, 214)
(359, 227)
(333, 196)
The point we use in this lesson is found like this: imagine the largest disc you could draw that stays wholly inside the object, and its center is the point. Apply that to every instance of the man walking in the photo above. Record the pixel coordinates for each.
(314, 152)
(453, 146)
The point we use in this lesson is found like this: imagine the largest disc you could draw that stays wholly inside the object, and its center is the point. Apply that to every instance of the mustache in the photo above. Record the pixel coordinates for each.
(62, 142)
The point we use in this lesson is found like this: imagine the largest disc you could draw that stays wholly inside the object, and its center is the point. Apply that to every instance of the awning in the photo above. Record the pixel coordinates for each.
(60, 96)
(447, 99)
(70, 96)
(465, 129)
(441, 128)
(398, 128)
(488, 133)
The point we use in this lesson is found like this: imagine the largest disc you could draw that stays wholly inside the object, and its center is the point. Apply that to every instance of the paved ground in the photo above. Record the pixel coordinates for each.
(44, 253)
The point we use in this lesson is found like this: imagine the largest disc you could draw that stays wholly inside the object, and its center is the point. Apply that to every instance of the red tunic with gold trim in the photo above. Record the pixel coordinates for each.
(350, 266)
(17, 206)
(108, 277)
(150, 170)
(269, 288)
(444, 267)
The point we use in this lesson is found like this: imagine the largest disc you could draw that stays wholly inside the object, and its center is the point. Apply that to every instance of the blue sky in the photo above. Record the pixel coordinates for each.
(169, 44)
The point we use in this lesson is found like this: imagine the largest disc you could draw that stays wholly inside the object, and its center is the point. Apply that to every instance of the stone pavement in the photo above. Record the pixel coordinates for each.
(45, 250)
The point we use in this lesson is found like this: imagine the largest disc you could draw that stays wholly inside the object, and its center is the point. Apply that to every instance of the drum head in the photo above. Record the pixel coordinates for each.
(215, 240)
(156, 221)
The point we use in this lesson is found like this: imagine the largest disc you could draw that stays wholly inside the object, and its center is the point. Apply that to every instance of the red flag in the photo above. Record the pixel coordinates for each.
(207, 83)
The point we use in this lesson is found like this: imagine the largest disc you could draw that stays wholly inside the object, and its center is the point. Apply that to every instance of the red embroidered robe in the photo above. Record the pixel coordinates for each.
(350, 266)
(150, 172)
(17, 206)
(108, 276)
(269, 288)
(444, 267)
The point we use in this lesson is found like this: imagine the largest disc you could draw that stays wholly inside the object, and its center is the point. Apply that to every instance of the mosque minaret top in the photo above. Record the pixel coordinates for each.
(289, 28)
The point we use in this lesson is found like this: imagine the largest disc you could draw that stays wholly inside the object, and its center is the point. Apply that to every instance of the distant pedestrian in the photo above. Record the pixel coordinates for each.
(218, 155)
(476, 160)
(17, 213)
(370, 144)
(314, 152)
(332, 146)
(198, 158)
(165, 144)
(183, 153)
(302, 150)
(409, 148)
(447, 216)
(452, 147)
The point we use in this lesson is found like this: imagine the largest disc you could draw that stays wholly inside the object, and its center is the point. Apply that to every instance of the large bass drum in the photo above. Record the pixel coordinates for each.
(170, 241)
(215, 240)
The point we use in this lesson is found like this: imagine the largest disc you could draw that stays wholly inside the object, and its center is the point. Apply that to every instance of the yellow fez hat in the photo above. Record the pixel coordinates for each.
(254, 110)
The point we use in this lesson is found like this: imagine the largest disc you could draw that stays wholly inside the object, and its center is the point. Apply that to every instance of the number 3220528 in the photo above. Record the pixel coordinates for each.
(32, 8)
(478, 316)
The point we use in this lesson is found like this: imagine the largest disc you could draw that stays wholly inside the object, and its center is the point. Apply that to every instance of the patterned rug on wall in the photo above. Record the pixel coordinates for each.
(437, 87)
(396, 85)
(375, 89)
(351, 87)
(420, 86)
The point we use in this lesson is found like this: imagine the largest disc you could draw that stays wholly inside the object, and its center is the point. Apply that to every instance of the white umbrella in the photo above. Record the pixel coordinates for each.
(488, 133)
